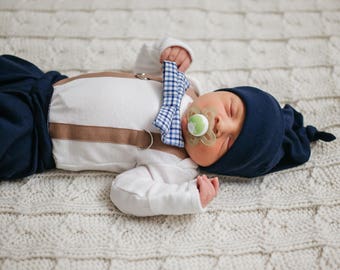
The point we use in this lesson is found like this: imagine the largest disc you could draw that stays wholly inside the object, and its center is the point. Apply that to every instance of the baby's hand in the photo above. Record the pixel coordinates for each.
(177, 54)
(208, 188)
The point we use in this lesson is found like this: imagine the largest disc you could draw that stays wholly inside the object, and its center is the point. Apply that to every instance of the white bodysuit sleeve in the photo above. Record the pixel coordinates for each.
(149, 55)
(135, 192)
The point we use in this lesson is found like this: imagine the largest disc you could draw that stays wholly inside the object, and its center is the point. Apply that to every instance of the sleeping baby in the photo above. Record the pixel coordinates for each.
(152, 127)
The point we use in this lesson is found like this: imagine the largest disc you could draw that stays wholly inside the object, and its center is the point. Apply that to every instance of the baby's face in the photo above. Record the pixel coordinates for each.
(228, 122)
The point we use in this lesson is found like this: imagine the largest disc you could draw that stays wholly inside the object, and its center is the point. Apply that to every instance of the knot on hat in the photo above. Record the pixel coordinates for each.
(314, 135)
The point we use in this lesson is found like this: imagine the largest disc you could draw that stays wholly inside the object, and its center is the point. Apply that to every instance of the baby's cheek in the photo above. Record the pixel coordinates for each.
(201, 154)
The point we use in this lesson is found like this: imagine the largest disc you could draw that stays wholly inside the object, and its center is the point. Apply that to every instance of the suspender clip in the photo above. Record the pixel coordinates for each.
(142, 76)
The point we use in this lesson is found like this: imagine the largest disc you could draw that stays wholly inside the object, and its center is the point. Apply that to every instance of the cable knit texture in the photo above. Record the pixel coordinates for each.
(285, 220)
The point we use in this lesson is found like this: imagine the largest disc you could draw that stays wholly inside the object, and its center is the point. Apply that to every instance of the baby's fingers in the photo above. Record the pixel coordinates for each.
(173, 54)
(215, 183)
(165, 54)
(199, 181)
(185, 65)
(204, 177)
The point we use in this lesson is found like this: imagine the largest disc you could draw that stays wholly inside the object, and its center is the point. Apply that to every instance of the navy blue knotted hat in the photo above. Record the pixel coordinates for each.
(272, 138)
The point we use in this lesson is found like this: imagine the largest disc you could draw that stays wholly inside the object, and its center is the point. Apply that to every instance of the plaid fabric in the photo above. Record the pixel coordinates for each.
(168, 119)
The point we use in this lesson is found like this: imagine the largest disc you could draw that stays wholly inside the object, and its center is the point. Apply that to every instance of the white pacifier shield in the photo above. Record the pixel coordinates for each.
(198, 125)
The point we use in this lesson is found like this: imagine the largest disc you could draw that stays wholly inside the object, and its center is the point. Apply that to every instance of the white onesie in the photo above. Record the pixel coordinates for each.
(150, 182)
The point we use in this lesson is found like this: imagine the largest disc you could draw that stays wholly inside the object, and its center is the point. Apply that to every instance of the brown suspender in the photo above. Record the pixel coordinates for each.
(142, 76)
(139, 138)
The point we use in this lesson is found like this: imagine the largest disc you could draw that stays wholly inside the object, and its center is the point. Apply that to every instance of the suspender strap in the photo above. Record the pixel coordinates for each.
(142, 76)
(139, 138)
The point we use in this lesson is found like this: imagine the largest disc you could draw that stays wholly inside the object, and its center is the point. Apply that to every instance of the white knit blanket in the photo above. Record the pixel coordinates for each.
(286, 220)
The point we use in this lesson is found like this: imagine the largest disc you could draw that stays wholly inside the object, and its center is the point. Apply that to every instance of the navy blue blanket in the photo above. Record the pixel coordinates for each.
(25, 94)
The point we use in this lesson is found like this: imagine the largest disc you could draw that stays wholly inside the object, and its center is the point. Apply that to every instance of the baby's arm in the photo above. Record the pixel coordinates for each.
(139, 193)
(150, 57)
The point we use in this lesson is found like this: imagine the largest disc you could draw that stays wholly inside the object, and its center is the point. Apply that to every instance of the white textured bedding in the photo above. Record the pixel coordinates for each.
(286, 220)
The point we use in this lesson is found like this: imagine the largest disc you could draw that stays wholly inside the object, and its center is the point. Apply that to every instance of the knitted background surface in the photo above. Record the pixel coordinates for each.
(286, 220)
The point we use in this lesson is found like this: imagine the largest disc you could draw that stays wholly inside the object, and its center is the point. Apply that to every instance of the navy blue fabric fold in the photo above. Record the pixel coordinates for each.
(25, 94)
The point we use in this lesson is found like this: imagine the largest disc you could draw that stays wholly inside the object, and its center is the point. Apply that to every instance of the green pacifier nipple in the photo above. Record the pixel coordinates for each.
(198, 125)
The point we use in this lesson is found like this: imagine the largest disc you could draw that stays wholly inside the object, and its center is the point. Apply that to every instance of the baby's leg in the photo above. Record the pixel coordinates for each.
(25, 92)
(16, 135)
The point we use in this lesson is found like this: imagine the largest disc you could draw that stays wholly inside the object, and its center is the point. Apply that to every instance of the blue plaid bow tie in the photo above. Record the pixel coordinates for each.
(168, 119)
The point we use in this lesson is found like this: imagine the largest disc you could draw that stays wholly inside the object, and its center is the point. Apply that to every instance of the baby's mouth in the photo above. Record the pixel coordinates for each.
(201, 129)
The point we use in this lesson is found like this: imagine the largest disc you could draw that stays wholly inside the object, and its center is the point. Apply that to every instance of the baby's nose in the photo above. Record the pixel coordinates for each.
(218, 127)
(223, 126)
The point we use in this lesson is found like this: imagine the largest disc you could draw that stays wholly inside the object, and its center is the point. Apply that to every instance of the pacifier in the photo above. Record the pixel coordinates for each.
(200, 124)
